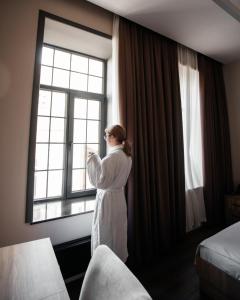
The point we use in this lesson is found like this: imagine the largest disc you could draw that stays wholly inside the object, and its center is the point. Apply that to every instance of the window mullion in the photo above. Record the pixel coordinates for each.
(70, 145)
(49, 144)
(68, 139)
(85, 178)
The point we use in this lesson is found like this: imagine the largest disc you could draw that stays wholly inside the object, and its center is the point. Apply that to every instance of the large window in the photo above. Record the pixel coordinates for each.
(68, 121)
(71, 99)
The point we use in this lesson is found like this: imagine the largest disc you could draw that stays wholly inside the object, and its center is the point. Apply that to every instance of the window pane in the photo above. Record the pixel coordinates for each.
(47, 56)
(80, 108)
(95, 85)
(78, 81)
(57, 130)
(93, 131)
(42, 129)
(78, 180)
(39, 212)
(58, 104)
(41, 157)
(46, 75)
(93, 109)
(44, 103)
(56, 156)
(88, 183)
(79, 131)
(93, 148)
(95, 67)
(61, 78)
(54, 183)
(90, 205)
(79, 157)
(77, 207)
(79, 64)
(54, 210)
(40, 184)
(62, 59)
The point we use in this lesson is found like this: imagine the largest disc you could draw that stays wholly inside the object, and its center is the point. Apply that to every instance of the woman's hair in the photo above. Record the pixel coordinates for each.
(120, 134)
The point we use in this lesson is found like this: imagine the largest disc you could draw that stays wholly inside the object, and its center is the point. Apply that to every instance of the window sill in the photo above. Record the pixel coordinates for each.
(54, 210)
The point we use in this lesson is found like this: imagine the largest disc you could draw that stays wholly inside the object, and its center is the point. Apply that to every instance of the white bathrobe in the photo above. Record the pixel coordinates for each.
(109, 176)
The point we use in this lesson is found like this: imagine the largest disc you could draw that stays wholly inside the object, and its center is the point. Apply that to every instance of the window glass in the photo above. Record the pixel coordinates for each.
(80, 108)
(58, 104)
(44, 103)
(40, 185)
(79, 64)
(41, 157)
(54, 183)
(95, 67)
(95, 85)
(56, 156)
(92, 131)
(78, 179)
(93, 148)
(47, 56)
(79, 131)
(60, 78)
(42, 129)
(79, 156)
(93, 109)
(57, 133)
(46, 75)
(62, 60)
(78, 81)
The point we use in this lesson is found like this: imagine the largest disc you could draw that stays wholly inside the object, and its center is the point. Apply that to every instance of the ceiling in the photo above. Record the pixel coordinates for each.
(211, 27)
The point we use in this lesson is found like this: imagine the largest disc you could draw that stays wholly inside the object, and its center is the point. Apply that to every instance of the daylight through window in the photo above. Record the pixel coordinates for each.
(69, 118)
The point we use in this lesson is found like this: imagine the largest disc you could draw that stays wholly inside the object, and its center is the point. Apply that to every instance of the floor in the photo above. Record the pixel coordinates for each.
(173, 277)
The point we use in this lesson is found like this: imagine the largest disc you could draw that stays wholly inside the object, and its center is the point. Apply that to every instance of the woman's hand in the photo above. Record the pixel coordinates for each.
(90, 154)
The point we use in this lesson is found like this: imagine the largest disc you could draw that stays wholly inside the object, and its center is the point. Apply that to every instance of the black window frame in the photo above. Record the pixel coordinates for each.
(84, 195)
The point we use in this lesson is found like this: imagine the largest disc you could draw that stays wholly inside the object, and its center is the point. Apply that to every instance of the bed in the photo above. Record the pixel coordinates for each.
(218, 264)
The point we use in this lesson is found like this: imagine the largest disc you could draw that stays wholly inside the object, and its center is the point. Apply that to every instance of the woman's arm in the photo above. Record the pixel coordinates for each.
(101, 172)
(94, 168)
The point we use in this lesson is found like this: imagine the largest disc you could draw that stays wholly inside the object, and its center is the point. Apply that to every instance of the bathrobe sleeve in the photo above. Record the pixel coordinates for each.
(101, 172)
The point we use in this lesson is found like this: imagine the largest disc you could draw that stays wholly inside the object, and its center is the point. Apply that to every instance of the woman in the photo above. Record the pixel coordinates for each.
(109, 176)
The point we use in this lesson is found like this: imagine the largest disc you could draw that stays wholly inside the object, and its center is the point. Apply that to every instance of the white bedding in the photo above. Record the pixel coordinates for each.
(223, 250)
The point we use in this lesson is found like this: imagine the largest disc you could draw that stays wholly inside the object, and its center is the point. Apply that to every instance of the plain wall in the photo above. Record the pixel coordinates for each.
(18, 33)
(232, 83)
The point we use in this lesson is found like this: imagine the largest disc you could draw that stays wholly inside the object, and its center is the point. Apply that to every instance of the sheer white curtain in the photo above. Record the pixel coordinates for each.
(190, 99)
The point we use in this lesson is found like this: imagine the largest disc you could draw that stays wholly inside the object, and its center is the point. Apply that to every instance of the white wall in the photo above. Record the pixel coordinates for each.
(18, 32)
(232, 83)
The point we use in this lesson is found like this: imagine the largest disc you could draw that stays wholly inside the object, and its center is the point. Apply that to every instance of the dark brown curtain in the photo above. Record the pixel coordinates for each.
(150, 109)
(216, 140)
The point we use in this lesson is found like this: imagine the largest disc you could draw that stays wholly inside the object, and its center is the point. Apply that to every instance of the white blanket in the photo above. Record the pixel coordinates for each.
(223, 250)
